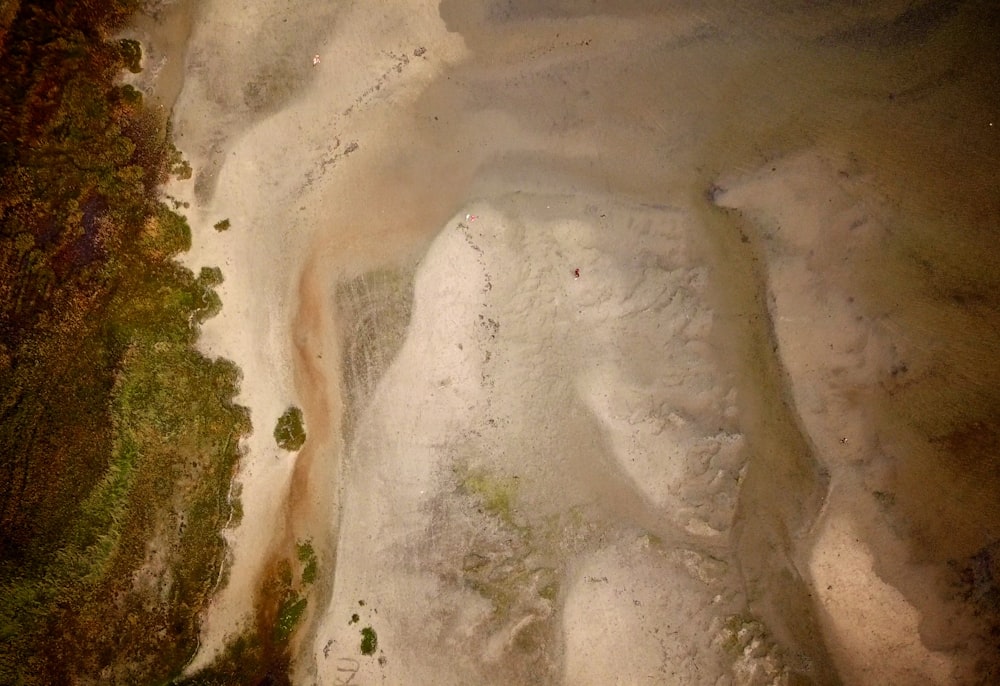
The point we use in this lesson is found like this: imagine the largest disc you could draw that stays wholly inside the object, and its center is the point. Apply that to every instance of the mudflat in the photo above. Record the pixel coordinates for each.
(635, 343)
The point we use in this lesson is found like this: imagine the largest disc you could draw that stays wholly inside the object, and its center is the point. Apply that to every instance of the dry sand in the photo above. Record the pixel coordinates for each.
(702, 460)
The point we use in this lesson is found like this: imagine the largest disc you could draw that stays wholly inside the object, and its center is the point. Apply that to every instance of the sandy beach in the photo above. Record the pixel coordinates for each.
(628, 341)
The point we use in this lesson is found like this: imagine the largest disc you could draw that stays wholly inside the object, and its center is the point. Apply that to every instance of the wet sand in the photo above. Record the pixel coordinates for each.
(754, 441)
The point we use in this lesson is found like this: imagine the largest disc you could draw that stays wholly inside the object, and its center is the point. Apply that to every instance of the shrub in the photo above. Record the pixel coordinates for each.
(131, 54)
(369, 641)
(289, 433)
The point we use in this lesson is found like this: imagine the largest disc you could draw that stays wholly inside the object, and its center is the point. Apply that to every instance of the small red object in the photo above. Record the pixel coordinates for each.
(576, 273)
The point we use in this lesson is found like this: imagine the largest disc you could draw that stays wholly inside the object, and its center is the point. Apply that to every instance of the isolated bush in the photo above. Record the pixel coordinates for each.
(289, 433)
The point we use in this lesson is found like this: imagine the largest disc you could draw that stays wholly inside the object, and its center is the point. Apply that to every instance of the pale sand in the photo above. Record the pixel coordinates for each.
(265, 172)
(562, 390)
(534, 478)
(875, 631)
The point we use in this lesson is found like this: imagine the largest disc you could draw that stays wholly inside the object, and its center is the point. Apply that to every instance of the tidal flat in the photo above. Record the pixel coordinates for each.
(634, 342)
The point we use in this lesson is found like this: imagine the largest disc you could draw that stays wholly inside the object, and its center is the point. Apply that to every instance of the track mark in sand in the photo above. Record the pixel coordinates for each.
(330, 159)
(489, 326)
(400, 62)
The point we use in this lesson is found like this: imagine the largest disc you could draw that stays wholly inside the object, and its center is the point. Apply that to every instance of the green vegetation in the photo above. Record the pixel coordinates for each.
(260, 654)
(120, 439)
(284, 597)
(549, 591)
(369, 641)
(130, 53)
(288, 617)
(245, 661)
(288, 433)
(743, 632)
(222, 225)
(307, 557)
(496, 494)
